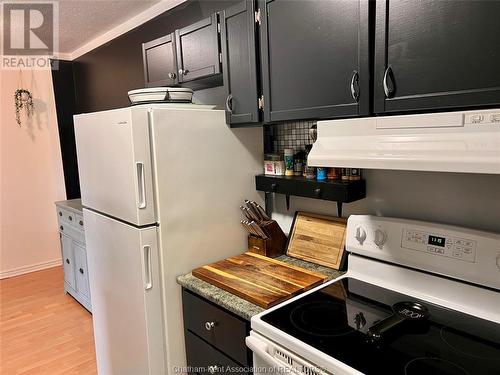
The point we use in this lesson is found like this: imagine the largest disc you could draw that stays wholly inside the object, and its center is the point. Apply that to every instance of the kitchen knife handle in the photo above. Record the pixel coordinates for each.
(141, 182)
(148, 283)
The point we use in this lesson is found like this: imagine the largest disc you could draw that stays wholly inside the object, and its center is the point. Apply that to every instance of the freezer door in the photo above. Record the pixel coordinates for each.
(114, 163)
(126, 300)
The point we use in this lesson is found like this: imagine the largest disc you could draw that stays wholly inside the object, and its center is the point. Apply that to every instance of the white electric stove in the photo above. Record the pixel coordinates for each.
(418, 298)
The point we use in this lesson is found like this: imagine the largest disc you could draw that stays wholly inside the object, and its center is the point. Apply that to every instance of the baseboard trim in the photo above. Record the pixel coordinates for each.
(32, 268)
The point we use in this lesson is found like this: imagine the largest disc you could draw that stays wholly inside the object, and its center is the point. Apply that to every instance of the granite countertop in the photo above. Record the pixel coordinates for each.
(238, 305)
(72, 205)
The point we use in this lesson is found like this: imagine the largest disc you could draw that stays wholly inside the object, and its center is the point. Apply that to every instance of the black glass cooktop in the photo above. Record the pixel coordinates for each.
(378, 331)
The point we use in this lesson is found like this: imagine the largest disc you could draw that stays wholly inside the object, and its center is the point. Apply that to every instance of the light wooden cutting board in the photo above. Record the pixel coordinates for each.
(318, 239)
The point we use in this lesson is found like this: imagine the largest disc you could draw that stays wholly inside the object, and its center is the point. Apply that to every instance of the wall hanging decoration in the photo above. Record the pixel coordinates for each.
(23, 100)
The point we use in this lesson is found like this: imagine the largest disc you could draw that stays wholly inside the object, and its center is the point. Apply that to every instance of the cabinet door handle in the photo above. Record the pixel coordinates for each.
(67, 260)
(61, 227)
(81, 270)
(148, 283)
(389, 91)
(355, 86)
(274, 187)
(229, 104)
(317, 192)
(80, 222)
(70, 218)
(183, 71)
(209, 326)
(141, 181)
(172, 75)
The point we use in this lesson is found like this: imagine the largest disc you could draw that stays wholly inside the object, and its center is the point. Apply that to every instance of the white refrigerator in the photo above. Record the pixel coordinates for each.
(161, 188)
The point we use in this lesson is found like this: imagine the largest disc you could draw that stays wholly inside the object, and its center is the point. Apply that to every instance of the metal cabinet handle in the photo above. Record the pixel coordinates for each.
(148, 283)
(67, 260)
(209, 326)
(60, 213)
(317, 192)
(80, 222)
(172, 75)
(141, 181)
(183, 71)
(70, 218)
(387, 75)
(355, 86)
(61, 227)
(229, 103)
(81, 270)
(274, 187)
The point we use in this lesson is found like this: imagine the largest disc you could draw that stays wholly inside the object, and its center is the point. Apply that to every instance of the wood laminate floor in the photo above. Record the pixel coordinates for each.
(43, 330)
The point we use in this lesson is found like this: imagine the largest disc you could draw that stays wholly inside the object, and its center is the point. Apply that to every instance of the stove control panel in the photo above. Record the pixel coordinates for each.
(439, 244)
(460, 253)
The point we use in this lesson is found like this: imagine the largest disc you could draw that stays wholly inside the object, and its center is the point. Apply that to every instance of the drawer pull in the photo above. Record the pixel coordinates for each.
(209, 326)
(81, 222)
(81, 270)
(61, 227)
(317, 192)
(60, 213)
(70, 218)
(274, 187)
(67, 260)
(213, 369)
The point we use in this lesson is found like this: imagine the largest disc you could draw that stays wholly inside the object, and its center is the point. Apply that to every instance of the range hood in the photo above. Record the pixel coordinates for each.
(444, 142)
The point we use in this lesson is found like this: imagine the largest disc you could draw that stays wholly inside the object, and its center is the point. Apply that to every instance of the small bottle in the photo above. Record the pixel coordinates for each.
(279, 168)
(321, 173)
(298, 163)
(310, 172)
(331, 174)
(345, 174)
(355, 174)
(288, 153)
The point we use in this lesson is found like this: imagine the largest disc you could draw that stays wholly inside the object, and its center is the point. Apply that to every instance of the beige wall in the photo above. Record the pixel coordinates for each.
(31, 177)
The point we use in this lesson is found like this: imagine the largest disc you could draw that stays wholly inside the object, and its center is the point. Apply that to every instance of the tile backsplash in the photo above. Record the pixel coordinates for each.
(287, 135)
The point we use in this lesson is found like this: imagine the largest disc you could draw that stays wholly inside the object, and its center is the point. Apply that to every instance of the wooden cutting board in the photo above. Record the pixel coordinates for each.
(259, 279)
(318, 239)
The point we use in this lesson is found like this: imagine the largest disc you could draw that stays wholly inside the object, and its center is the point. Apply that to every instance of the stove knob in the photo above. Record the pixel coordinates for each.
(380, 238)
(360, 235)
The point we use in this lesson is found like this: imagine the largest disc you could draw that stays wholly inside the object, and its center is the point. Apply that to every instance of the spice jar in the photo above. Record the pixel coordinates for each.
(288, 153)
(269, 163)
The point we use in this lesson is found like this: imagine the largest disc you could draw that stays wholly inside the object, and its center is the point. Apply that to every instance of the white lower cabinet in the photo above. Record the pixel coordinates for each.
(74, 256)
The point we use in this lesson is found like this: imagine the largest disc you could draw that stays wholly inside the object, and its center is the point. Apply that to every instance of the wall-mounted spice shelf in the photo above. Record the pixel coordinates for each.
(331, 190)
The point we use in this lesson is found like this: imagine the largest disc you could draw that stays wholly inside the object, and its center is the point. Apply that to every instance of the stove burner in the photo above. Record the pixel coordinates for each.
(433, 366)
(325, 319)
(468, 347)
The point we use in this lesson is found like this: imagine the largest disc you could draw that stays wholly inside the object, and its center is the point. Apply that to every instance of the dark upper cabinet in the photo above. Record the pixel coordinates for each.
(198, 52)
(159, 61)
(239, 63)
(433, 54)
(315, 59)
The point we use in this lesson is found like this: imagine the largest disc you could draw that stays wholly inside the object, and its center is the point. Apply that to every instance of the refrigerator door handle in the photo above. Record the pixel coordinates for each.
(141, 181)
(148, 283)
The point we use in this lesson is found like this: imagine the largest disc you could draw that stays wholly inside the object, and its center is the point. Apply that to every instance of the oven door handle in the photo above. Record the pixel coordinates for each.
(259, 349)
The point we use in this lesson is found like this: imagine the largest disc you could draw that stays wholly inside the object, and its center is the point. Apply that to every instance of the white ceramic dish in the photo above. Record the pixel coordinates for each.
(161, 95)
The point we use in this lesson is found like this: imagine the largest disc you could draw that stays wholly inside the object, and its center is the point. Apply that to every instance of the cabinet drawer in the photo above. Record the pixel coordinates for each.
(218, 327)
(79, 222)
(206, 359)
(279, 185)
(70, 230)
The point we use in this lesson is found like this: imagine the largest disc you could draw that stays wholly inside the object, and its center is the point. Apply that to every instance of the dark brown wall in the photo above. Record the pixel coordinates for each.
(104, 75)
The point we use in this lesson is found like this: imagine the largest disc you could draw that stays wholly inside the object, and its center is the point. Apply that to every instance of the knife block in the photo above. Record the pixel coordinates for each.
(273, 246)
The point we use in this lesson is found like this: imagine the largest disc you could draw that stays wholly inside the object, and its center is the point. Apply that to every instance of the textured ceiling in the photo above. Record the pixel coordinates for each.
(80, 21)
